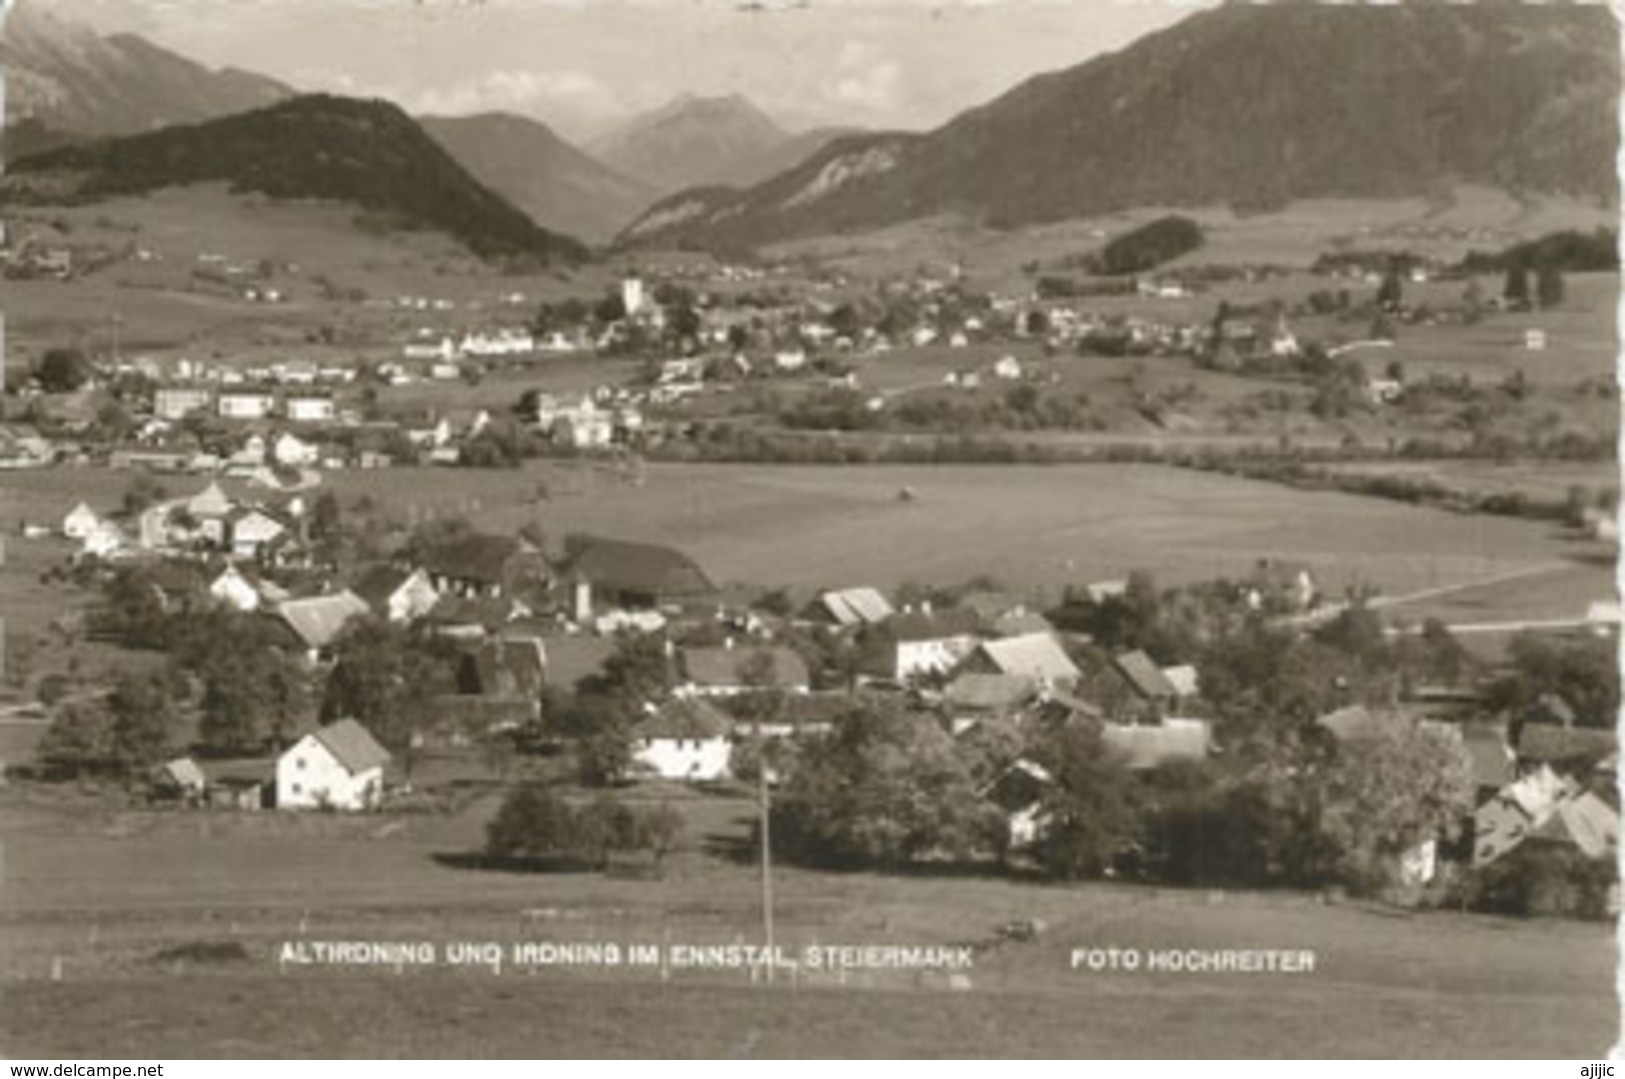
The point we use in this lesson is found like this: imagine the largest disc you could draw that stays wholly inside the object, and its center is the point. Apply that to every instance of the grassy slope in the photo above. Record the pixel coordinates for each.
(106, 891)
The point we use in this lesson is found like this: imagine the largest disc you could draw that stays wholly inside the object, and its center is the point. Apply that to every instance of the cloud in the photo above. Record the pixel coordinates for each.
(517, 90)
(865, 78)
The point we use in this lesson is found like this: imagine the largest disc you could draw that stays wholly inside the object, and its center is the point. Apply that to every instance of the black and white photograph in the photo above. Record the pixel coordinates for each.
(806, 529)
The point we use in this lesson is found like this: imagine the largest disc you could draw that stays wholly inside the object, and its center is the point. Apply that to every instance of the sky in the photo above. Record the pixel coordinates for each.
(585, 66)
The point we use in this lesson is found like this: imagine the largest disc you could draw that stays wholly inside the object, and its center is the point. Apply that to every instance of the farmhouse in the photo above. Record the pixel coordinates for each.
(339, 766)
(309, 408)
(849, 607)
(80, 522)
(1019, 794)
(293, 451)
(254, 532)
(614, 573)
(925, 642)
(397, 595)
(235, 590)
(730, 671)
(1275, 585)
(178, 402)
(1038, 656)
(245, 404)
(685, 738)
(1145, 678)
(317, 621)
(480, 565)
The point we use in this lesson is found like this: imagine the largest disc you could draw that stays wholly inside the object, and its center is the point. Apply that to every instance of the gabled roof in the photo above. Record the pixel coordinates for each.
(686, 717)
(1034, 655)
(855, 606)
(1488, 755)
(183, 772)
(1020, 624)
(1184, 678)
(1144, 676)
(569, 660)
(1586, 821)
(318, 620)
(475, 557)
(784, 667)
(933, 625)
(990, 692)
(352, 745)
(209, 502)
(379, 583)
(640, 568)
(1152, 745)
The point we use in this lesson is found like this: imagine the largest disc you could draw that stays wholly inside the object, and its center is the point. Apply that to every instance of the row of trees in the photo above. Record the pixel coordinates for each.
(536, 824)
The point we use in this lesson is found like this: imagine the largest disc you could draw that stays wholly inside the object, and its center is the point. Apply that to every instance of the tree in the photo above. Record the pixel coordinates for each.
(252, 697)
(143, 492)
(533, 822)
(1089, 811)
(386, 678)
(326, 518)
(1516, 290)
(1391, 293)
(1549, 286)
(79, 739)
(885, 787)
(62, 370)
(1382, 795)
(143, 721)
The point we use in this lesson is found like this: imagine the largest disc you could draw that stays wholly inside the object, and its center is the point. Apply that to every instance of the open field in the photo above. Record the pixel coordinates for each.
(1032, 527)
(104, 891)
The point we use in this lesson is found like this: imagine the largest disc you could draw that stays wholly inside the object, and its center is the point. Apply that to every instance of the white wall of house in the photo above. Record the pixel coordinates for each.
(685, 758)
(308, 776)
(414, 598)
(930, 657)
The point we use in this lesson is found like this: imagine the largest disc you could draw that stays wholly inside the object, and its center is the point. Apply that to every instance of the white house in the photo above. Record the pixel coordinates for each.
(926, 643)
(310, 408)
(398, 595)
(253, 532)
(235, 590)
(340, 766)
(178, 402)
(1007, 368)
(245, 404)
(289, 449)
(684, 739)
(104, 541)
(80, 522)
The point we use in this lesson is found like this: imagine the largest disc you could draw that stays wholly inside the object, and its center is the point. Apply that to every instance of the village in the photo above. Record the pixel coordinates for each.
(313, 666)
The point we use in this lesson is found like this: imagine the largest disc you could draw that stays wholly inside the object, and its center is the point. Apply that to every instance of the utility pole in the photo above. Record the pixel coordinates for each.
(767, 856)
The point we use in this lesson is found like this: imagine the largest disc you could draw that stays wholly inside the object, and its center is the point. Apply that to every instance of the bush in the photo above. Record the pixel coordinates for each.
(1539, 879)
(536, 824)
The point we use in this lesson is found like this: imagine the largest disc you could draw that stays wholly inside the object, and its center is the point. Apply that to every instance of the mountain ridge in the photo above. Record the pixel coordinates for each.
(1253, 106)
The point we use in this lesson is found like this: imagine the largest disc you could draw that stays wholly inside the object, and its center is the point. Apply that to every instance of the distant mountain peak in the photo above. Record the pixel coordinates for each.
(1247, 105)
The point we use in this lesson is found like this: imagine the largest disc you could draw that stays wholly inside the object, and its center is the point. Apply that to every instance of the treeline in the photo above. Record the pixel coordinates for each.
(1568, 251)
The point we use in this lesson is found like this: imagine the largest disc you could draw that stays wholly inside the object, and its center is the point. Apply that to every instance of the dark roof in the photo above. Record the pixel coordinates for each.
(570, 659)
(1551, 743)
(475, 557)
(933, 625)
(990, 692)
(487, 612)
(640, 568)
(727, 666)
(380, 582)
(686, 717)
(1144, 676)
(352, 745)
(1488, 755)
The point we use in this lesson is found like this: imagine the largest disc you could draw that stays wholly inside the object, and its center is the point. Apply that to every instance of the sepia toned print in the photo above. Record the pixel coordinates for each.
(806, 528)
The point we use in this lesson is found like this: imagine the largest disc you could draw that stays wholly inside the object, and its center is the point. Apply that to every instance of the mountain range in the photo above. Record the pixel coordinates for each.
(701, 141)
(70, 81)
(369, 154)
(559, 186)
(1247, 105)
